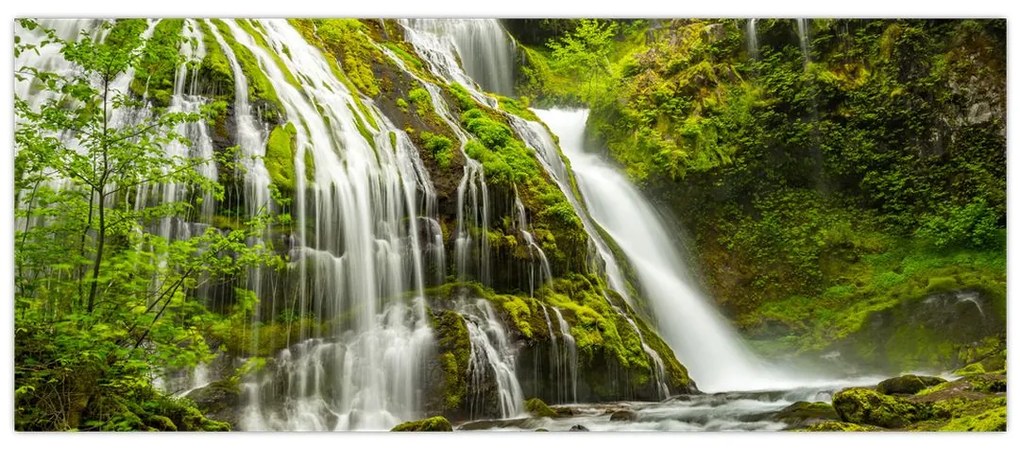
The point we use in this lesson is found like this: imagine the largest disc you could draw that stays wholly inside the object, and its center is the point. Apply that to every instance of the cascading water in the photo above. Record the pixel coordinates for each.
(520, 223)
(492, 357)
(568, 373)
(752, 38)
(486, 51)
(357, 254)
(805, 42)
(697, 332)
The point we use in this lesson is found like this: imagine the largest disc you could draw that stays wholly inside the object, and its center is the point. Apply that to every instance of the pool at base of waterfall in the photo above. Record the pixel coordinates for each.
(724, 411)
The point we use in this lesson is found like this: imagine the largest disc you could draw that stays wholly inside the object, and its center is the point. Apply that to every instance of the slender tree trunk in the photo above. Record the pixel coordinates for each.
(101, 187)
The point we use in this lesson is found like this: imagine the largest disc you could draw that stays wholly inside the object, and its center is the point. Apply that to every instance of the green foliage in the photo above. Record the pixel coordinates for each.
(974, 225)
(587, 50)
(347, 40)
(100, 300)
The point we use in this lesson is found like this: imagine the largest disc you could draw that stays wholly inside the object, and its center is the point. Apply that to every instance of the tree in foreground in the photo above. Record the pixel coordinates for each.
(101, 300)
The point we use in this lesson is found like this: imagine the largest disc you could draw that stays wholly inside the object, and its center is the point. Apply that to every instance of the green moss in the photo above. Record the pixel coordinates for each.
(455, 352)
(433, 424)
(260, 40)
(348, 42)
(440, 147)
(839, 426)
(279, 158)
(421, 100)
(537, 408)
(867, 406)
(402, 104)
(259, 86)
(989, 421)
(156, 68)
(518, 108)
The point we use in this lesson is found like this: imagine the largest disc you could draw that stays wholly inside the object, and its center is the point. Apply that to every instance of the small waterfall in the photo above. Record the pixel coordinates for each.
(520, 223)
(698, 334)
(752, 38)
(492, 360)
(486, 51)
(805, 42)
(570, 348)
(555, 374)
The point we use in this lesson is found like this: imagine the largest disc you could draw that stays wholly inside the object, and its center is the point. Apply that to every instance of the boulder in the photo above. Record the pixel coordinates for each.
(867, 406)
(623, 415)
(433, 424)
(803, 413)
(578, 428)
(908, 384)
(537, 408)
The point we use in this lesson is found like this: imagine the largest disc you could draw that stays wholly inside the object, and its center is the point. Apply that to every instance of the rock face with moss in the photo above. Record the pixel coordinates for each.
(433, 424)
(824, 168)
(611, 363)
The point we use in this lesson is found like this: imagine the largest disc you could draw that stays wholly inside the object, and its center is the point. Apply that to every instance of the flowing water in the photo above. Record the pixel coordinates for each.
(752, 38)
(699, 335)
(367, 241)
(487, 53)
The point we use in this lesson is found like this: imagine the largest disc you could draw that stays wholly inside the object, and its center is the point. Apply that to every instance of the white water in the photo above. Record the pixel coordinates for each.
(492, 359)
(568, 374)
(357, 253)
(700, 336)
(805, 42)
(752, 38)
(485, 50)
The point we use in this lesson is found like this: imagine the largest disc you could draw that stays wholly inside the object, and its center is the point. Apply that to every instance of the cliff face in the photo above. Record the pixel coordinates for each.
(823, 170)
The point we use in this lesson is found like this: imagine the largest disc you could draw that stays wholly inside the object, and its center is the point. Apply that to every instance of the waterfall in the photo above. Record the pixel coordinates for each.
(688, 322)
(492, 360)
(357, 253)
(805, 43)
(486, 51)
(520, 223)
(752, 38)
(569, 373)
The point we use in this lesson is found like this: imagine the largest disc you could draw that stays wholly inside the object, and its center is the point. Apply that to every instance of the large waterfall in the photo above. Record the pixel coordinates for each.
(368, 237)
(688, 321)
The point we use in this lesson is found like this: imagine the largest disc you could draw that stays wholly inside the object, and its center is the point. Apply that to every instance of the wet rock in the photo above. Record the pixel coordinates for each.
(536, 407)
(578, 428)
(867, 406)
(433, 424)
(803, 414)
(486, 424)
(219, 401)
(908, 384)
(839, 426)
(623, 415)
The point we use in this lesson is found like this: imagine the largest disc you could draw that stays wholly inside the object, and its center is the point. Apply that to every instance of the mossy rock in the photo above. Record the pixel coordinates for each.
(803, 413)
(433, 424)
(908, 384)
(538, 408)
(839, 426)
(159, 422)
(867, 406)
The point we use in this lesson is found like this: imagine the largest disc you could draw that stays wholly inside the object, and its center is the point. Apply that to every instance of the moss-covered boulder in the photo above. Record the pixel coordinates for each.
(803, 413)
(433, 424)
(219, 401)
(538, 408)
(867, 406)
(908, 384)
(839, 426)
